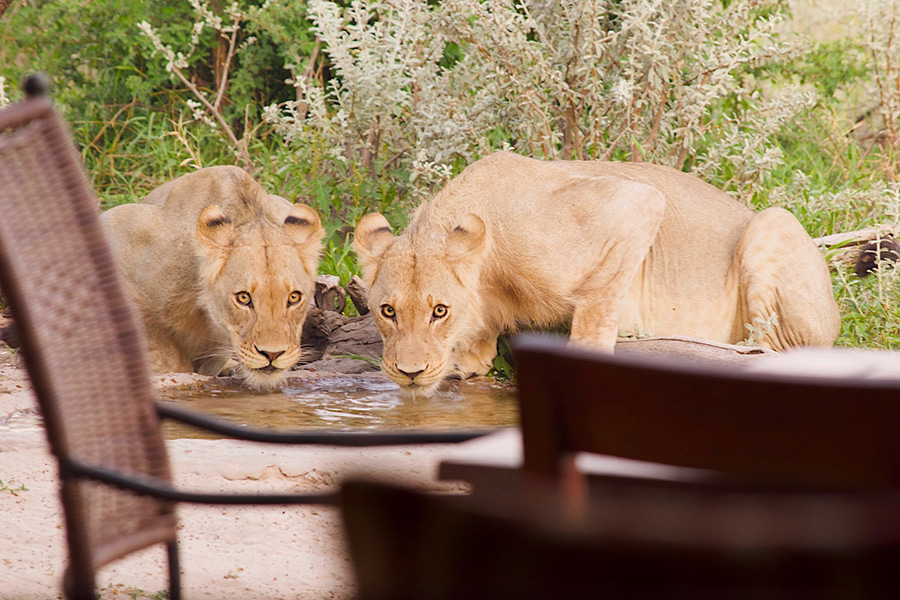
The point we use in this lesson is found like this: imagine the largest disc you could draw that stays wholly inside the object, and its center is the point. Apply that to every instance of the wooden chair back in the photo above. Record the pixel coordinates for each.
(753, 427)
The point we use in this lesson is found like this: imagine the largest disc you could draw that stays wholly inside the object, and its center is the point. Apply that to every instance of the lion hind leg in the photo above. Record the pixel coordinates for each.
(783, 273)
(166, 357)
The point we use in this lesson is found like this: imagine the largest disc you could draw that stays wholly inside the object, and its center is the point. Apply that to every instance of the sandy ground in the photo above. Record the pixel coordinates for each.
(226, 552)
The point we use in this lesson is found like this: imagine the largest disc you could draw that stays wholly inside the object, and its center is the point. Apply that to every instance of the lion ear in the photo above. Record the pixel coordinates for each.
(303, 226)
(372, 238)
(215, 232)
(467, 239)
(214, 228)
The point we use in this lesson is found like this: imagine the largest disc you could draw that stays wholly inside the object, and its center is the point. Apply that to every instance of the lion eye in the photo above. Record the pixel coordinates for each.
(294, 298)
(439, 312)
(387, 311)
(243, 298)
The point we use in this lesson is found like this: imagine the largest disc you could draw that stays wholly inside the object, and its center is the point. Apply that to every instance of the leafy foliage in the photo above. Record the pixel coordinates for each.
(363, 105)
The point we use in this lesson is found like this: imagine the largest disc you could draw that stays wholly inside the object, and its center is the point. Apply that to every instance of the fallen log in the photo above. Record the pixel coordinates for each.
(330, 295)
(859, 237)
(848, 249)
(691, 349)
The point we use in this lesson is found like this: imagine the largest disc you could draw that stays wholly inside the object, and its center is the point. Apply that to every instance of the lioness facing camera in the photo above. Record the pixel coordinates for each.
(223, 273)
(608, 247)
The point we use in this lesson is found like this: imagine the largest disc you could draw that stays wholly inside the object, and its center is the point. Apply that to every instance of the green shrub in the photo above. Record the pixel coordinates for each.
(359, 105)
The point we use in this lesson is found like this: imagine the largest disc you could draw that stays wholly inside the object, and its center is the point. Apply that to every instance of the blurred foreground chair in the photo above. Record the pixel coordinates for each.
(637, 540)
(792, 491)
(84, 350)
(745, 427)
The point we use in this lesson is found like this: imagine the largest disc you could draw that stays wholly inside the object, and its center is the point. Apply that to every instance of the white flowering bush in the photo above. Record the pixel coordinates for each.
(4, 99)
(390, 101)
(428, 84)
(741, 152)
(203, 107)
(585, 78)
(880, 24)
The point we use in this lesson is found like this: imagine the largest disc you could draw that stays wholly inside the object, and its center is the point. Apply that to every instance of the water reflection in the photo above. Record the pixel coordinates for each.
(352, 402)
(26, 419)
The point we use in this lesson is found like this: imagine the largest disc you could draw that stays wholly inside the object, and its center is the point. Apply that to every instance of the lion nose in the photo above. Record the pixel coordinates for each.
(271, 354)
(412, 374)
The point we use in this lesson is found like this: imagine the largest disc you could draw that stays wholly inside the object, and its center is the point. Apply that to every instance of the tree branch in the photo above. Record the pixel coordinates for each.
(240, 147)
(228, 58)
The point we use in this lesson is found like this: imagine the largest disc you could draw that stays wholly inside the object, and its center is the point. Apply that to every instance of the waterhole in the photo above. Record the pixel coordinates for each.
(25, 419)
(351, 402)
(334, 402)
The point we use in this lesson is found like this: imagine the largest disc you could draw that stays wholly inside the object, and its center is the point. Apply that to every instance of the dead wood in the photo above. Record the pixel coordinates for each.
(330, 295)
(691, 349)
(359, 295)
(845, 248)
(858, 237)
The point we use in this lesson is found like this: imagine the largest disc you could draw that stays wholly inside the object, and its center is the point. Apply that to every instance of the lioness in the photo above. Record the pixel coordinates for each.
(223, 273)
(608, 247)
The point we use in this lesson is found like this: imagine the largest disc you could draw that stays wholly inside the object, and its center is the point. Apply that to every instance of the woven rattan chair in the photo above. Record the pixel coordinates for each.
(84, 351)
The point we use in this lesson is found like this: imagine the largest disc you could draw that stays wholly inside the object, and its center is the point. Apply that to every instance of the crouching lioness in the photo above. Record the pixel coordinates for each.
(608, 247)
(222, 272)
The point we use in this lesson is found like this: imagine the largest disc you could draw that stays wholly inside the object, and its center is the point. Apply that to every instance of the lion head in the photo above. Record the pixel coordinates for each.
(423, 294)
(257, 281)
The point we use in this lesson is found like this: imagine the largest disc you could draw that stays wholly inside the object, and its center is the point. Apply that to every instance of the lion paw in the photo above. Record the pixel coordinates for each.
(468, 365)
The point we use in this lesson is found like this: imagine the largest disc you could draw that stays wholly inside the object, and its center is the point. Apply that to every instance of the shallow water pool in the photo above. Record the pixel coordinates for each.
(25, 419)
(342, 402)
